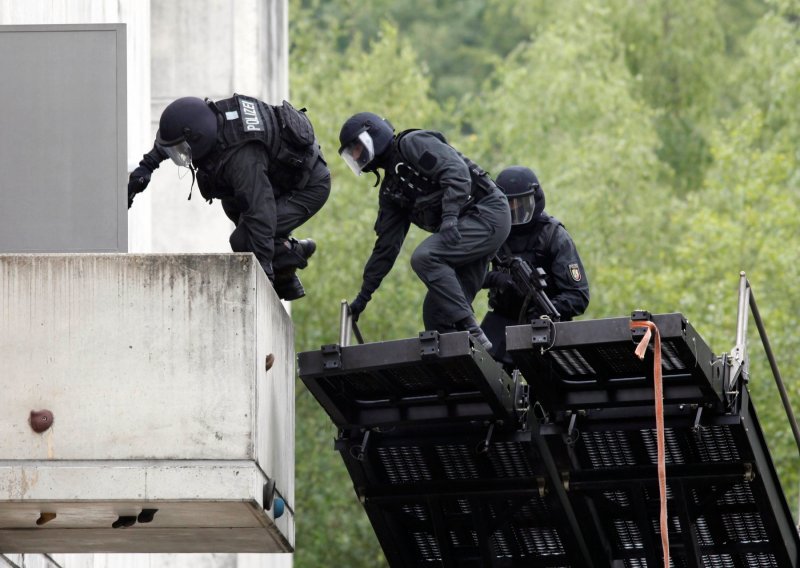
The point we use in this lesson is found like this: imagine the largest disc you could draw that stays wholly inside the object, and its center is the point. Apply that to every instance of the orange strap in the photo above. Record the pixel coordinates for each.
(641, 349)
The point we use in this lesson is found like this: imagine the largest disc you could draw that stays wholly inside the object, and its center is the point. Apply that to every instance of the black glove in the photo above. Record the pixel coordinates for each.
(449, 230)
(357, 306)
(140, 177)
(502, 281)
(138, 180)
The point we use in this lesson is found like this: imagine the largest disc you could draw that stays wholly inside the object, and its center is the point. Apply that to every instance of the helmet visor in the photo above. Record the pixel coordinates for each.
(522, 207)
(180, 153)
(358, 153)
(178, 150)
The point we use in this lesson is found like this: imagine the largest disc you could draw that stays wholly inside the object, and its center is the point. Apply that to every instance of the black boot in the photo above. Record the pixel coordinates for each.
(471, 325)
(304, 247)
(291, 253)
(288, 286)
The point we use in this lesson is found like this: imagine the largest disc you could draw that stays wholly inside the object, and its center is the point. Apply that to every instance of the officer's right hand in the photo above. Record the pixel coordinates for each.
(137, 182)
(357, 306)
(449, 231)
(499, 280)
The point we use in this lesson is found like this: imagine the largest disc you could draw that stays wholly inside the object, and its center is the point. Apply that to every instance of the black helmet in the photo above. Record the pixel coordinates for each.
(525, 195)
(187, 130)
(363, 137)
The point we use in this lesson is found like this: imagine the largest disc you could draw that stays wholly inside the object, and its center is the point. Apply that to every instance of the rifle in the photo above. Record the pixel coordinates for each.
(531, 284)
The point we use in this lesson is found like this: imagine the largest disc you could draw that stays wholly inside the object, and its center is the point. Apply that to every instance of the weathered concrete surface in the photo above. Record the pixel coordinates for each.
(154, 369)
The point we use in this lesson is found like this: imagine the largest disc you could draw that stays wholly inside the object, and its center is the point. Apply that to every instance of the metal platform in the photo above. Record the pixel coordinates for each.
(591, 364)
(432, 378)
(571, 482)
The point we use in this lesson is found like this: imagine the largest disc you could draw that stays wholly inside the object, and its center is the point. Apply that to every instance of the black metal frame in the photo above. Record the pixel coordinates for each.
(456, 475)
(591, 364)
(432, 378)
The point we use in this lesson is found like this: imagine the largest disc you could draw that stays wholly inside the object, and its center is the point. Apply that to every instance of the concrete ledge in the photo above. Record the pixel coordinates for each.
(154, 369)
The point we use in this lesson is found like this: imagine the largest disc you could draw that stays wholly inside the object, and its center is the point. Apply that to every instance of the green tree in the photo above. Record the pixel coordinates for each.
(563, 105)
(746, 219)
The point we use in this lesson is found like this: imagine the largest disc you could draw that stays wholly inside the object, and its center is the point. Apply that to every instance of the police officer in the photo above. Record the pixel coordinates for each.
(264, 165)
(541, 241)
(428, 183)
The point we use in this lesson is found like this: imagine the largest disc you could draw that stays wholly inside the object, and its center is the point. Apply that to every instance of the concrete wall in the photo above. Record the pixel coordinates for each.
(208, 48)
(153, 367)
(251, 37)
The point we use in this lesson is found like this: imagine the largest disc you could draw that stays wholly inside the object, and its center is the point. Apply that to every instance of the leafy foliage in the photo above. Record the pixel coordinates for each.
(665, 136)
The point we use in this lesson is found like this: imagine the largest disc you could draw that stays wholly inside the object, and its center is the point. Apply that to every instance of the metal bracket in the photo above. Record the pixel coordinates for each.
(697, 416)
(540, 332)
(639, 315)
(572, 434)
(522, 400)
(483, 447)
(360, 449)
(429, 344)
(331, 357)
(541, 484)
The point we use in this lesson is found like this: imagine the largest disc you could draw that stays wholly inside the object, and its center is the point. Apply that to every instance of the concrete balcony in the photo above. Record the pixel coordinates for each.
(163, 414)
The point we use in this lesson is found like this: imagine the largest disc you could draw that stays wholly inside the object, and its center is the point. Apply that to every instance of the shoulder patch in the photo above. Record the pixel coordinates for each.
(427, 161)
(575, 272)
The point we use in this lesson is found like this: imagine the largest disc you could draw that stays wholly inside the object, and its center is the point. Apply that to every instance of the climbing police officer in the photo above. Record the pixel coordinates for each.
(541, 241)
(264, 165)
(428, 183)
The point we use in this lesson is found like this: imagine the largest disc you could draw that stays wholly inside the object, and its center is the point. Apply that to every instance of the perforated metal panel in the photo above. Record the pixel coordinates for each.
(571, 482)
(433, 378)
(591, 364)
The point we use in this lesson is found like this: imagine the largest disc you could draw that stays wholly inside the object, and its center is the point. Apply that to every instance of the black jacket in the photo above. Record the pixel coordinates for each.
(425, 180)
(546, 244)
(254, 162)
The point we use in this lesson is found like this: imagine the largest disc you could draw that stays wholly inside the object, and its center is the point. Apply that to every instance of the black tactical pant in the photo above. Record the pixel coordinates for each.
(292, 209)
(494, 326)
(454, 274)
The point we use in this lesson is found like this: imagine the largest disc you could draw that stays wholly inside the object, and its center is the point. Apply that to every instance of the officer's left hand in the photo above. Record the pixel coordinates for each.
(449, 230)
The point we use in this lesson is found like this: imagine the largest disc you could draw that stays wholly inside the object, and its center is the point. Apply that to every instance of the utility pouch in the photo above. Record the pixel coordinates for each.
(297, 136)
(427, 212)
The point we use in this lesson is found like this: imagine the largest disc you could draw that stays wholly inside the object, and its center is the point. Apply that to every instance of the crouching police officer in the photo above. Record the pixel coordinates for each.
(428, 183)
(542, 242)
(264, 165)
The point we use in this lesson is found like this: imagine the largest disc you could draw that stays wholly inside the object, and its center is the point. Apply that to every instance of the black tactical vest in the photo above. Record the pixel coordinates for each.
(247, 120)
(285, 133)
(409, 189)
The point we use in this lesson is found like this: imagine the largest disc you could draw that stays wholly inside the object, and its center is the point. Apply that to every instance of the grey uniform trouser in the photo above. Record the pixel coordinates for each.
(454, 274)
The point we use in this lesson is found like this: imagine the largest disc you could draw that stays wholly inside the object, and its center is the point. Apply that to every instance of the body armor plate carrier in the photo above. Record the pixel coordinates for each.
(410, 189)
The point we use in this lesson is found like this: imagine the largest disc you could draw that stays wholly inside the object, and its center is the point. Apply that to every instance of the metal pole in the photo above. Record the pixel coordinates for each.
(739, 352)
(775, 372)
(345, 324)
(741, 316)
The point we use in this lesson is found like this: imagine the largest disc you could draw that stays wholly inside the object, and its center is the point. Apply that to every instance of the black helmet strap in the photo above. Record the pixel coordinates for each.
(191, 187)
